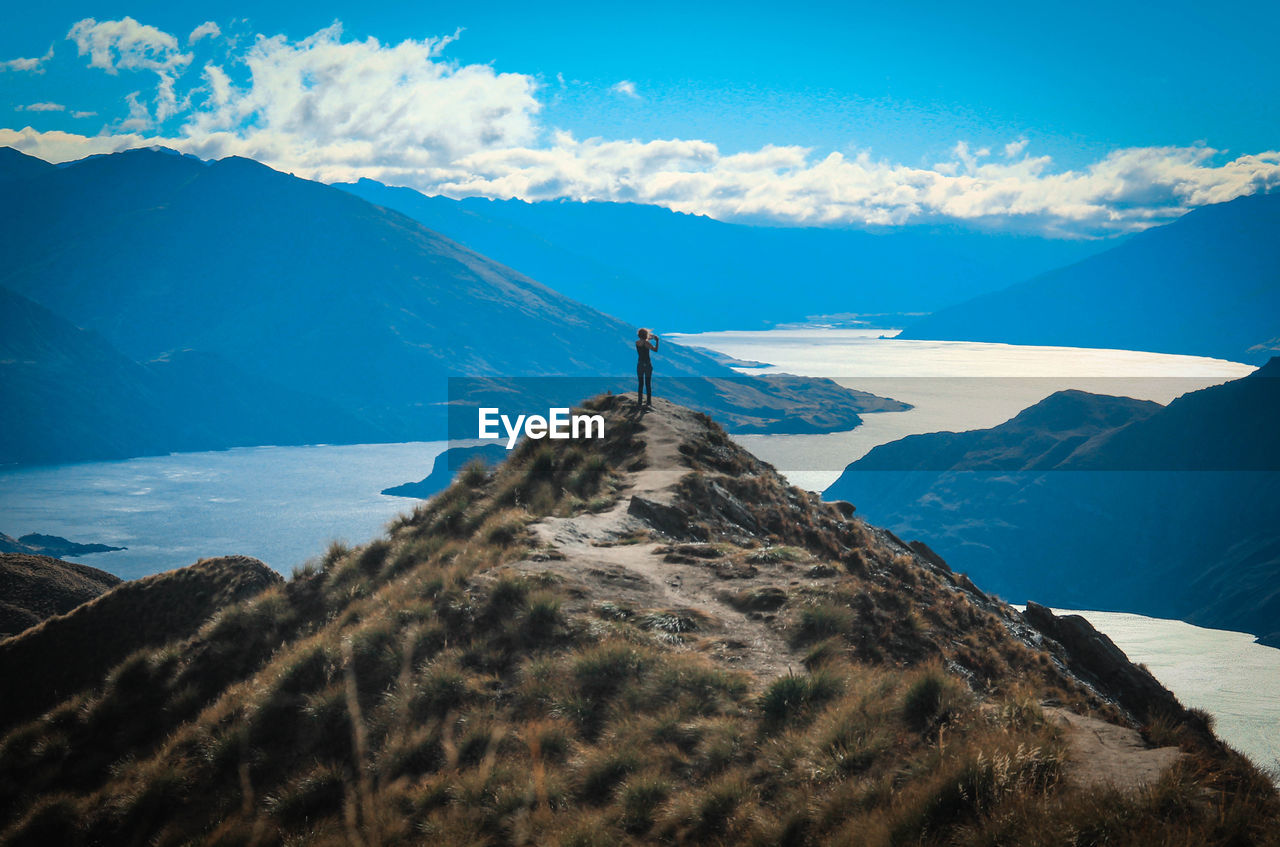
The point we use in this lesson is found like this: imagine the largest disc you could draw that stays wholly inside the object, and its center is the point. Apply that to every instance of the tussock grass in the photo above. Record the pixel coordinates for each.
(412, 690)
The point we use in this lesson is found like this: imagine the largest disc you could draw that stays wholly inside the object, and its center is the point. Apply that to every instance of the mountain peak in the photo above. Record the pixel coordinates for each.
(1270, 369)
(14, 164)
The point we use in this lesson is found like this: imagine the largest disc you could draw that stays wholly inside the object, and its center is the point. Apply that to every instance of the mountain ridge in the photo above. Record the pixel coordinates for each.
(1207, 284)
(358, 313)
(567, 646)
(693, 273)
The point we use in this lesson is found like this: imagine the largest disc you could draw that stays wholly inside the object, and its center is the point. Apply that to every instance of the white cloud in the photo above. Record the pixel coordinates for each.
(84, 114)
(626, 88)
(128, 45)
(43, 107)
(139, 117)
(330, 109)
(208, 29)
(35, 65)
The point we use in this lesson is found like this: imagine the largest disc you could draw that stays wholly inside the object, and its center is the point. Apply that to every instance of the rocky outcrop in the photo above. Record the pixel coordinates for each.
(446, 467)
(1096, 659)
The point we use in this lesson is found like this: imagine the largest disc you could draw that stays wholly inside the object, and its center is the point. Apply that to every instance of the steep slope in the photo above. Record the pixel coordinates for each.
(649, 638)
(68, 653)
(691, 273)
(1172, 511)
(69, 395)
(307, 287)
(1207, 284)
(17, 165)
(33, 588)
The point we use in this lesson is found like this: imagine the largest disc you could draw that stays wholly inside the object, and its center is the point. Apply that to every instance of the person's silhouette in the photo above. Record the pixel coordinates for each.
(645, 341)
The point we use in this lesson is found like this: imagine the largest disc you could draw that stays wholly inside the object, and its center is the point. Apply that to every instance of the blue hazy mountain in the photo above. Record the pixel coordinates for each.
(1207, 284)
(1089, 501)
(229, 272)
(685, 272)
(17, 165)
(69, 395)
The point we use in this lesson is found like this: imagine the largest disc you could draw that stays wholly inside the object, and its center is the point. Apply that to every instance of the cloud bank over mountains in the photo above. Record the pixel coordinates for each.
(333, 109)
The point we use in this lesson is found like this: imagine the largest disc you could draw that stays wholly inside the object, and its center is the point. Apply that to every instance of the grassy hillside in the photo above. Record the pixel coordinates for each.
(67, 653)
(33, 588)
(651, 640)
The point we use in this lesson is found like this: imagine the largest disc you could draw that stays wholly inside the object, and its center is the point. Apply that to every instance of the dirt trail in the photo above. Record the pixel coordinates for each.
(612, 557)
(604, 562)
(1103, 753)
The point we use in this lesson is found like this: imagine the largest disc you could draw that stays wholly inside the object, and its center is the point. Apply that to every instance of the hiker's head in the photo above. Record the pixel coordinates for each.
(642, 333)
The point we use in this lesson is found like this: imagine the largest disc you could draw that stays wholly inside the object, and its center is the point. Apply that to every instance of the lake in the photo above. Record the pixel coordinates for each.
(953, 385)
(282, 505)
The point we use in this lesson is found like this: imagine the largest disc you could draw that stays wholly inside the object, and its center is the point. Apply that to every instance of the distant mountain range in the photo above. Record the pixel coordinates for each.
(157, 302)
(1207, 284)
(1088, 501)
(679, 272)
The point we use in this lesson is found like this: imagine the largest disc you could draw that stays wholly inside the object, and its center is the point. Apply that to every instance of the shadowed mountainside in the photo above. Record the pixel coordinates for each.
(33, 588)
(648, 638)
(228, 274)
(1087, 501)
(1207, 284)
(16, 165)
(69, 395)
(68, 653)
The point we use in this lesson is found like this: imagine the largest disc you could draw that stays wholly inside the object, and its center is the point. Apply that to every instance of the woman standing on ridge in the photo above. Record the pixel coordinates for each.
(645, 341)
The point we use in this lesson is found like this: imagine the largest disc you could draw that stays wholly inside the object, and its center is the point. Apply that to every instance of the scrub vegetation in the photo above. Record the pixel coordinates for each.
(421, 689)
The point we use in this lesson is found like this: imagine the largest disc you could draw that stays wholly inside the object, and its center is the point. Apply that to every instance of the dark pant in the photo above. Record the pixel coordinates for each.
(645, 377)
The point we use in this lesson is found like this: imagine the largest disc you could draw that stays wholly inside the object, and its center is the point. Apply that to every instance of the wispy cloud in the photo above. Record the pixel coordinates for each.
(208, 29)
(113, 45)
(42, 107)
(626, 88)
(335, 109)
(128, 45)
(35, 65)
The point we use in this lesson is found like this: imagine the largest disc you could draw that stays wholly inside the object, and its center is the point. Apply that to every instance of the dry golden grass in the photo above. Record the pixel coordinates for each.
(414, 691)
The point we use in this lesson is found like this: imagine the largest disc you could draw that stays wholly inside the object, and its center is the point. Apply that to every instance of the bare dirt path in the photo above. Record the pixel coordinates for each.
(605, 563)
(613, 557)
(1103, 753)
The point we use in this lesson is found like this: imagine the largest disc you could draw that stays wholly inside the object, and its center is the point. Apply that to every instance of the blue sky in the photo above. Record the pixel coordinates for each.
(1077, 119)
